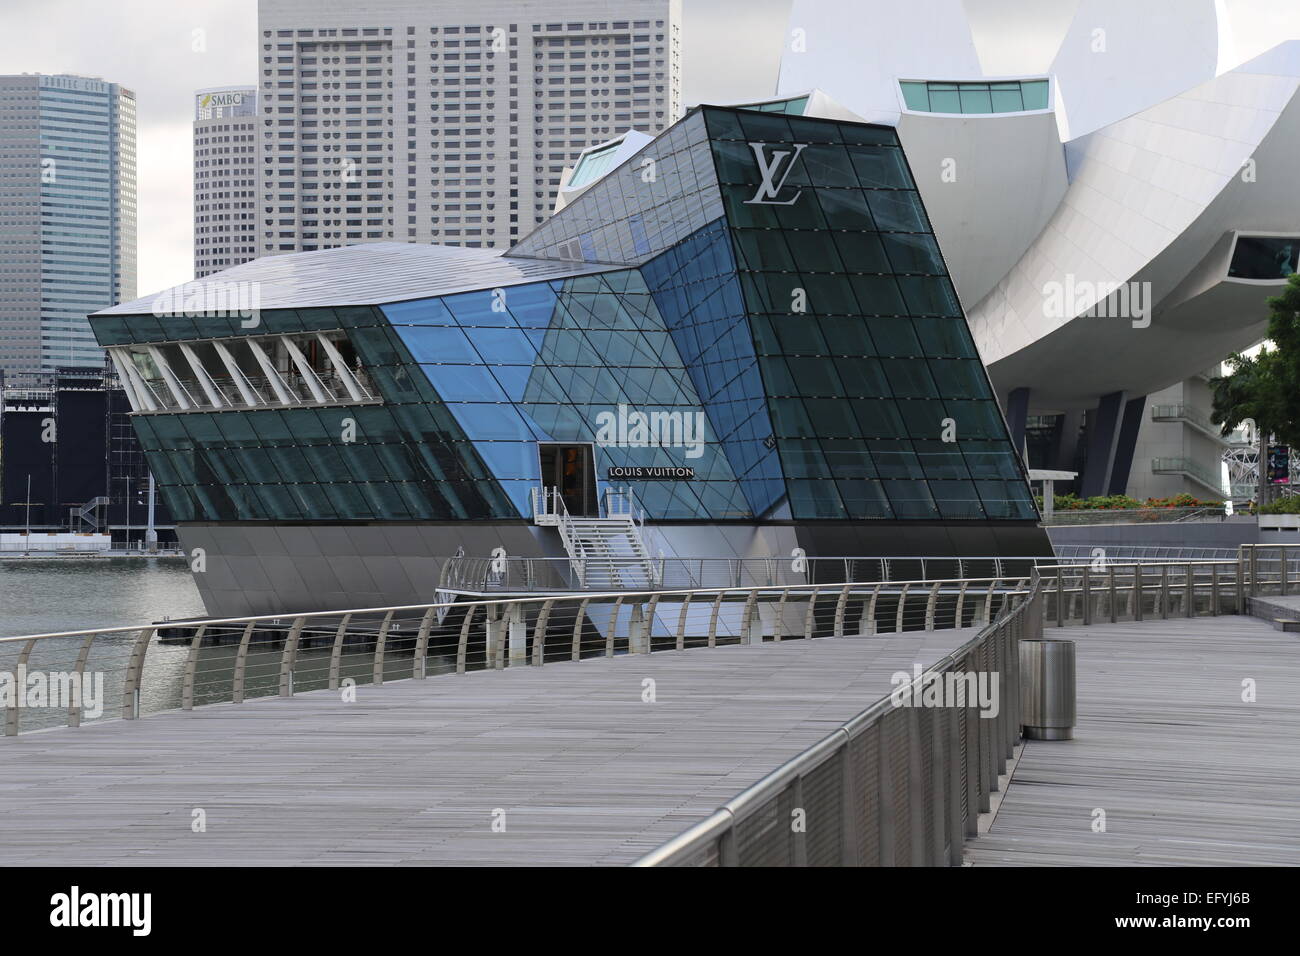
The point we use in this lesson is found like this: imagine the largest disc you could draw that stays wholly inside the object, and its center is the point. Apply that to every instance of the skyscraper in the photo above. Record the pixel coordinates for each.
(449, 123)
(225, 178)
(67, 216)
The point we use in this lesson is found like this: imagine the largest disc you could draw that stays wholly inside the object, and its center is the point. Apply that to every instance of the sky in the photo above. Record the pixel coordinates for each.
(163, 50)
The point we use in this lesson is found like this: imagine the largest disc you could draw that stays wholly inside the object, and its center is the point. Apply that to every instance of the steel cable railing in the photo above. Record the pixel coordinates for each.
(172, 665)
(894, 786)
(904, 786)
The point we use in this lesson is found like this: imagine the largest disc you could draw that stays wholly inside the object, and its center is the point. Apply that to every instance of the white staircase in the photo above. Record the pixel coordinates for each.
(607, 552)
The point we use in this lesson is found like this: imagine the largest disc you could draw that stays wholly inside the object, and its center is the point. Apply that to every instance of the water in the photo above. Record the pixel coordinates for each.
(38, 596)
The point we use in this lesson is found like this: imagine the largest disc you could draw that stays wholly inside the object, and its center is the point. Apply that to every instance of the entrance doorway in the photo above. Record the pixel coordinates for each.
(572, 470)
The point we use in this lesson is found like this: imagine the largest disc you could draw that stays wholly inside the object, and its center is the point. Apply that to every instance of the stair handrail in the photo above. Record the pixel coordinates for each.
(554, 503)
(623, 502)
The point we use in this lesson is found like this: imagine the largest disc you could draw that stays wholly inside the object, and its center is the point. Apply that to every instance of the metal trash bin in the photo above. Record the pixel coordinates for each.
(1047, 688)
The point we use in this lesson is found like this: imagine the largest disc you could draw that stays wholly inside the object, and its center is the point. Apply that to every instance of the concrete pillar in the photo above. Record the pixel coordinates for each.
(1126, 444)
(518, 634)
(638, 640)
(1067, 443)
(1103, 436)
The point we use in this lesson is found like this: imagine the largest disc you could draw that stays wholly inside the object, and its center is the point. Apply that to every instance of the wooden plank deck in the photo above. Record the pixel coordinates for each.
(412, 771)
(1186, 772)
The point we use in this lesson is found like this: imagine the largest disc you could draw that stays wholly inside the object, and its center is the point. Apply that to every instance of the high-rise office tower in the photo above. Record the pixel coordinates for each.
(225, 178)
(67, 217)
(450, 122)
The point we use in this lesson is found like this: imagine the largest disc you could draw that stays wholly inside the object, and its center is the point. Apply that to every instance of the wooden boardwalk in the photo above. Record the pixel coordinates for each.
(412, 772)
(1185, 770)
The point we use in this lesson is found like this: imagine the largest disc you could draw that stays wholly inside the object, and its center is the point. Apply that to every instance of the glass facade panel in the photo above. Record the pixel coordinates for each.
(864, 354)
(1008, 96)
(800, 348)
(1264, 257)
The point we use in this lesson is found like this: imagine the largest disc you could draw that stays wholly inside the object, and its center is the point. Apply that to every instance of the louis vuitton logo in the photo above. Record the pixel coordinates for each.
(780, 162)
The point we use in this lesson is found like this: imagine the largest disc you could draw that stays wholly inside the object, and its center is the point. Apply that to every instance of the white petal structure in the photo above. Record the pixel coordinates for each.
(1112, 183)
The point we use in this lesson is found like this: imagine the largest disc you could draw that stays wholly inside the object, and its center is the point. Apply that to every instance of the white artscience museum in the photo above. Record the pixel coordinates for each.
(1113, 184)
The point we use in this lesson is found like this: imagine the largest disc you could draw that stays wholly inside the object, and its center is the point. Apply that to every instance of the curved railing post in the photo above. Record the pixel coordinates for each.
(462, 643)
(713, 619)
(381, 644)
(748, 622)
(420, 670)
(808, 620)
(75, 706)
(191, 669)
(648, 625)
(134, 671)
(840, 607)
(539, 633)
(289, 658)
(578, 620)
(336, 651)
(13, 707)
(241, 665)
(898, 614)
(613, 626)
(681, 623)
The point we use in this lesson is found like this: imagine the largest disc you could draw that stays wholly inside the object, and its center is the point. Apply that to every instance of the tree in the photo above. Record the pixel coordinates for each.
(1266, 387)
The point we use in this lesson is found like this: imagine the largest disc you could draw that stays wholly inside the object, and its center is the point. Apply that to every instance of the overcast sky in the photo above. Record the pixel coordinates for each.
(731, 49)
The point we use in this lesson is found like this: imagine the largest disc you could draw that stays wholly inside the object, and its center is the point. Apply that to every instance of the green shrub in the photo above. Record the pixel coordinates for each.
(1283, 506)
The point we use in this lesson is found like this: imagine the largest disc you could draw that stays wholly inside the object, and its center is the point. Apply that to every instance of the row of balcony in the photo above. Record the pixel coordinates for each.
(278, 371)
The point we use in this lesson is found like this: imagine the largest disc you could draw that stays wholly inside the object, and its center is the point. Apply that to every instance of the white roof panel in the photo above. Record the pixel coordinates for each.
(366, 274)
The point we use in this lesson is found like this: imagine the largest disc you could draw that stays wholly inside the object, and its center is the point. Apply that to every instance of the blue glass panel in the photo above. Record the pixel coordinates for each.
(419, 312)
(864, 499)
(911, 499)
(465, 383)
(815, 499)
(486, 308)
(897, 210)
(510, 346)
(519, 494)
(437, 344)
(491, 422)
(508, 459)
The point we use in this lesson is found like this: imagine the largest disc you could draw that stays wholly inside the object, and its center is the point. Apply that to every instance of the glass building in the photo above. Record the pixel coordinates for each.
(747, 329)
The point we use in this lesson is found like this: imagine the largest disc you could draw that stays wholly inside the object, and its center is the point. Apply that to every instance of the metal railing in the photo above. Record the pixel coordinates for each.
(486, 575)
(900, 786)
(1115, 590)
(473, 575)
(1189, 467)
(1127, 554)
(894, 786)
(1066, 517)
(622, 503)
(174, 664)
